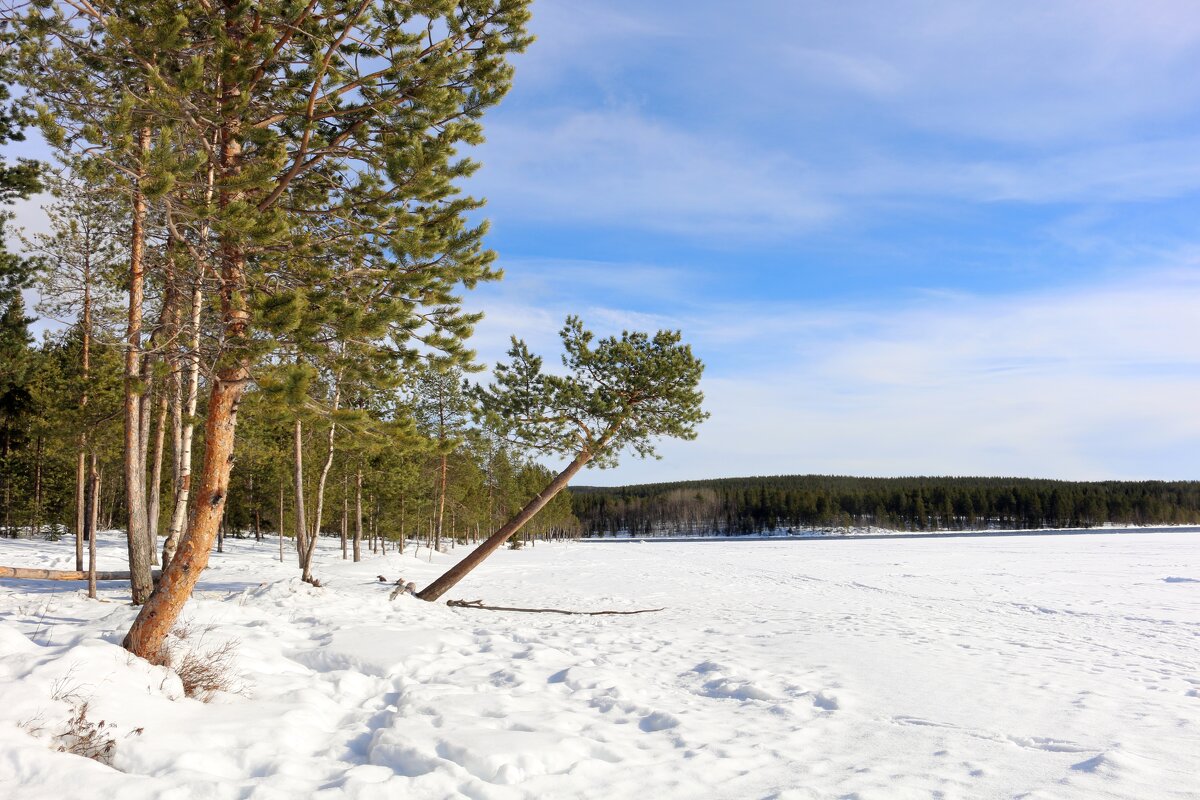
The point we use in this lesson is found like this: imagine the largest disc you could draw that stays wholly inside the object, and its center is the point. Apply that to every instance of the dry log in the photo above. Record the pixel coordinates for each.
(62, 574)
(479, 604)
(403, 588)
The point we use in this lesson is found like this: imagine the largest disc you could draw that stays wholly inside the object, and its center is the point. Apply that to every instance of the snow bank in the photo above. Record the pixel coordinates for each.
(1041, 667)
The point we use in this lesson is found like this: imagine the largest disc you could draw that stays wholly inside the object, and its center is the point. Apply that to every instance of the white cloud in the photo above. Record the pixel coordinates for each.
(1081, 383)
(784, 116)
(1023, 72)
(619, 168)
(1132, 172)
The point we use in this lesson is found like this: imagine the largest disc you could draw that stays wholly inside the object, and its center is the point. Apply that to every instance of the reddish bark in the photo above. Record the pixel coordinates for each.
(494, 542)
(158, 615)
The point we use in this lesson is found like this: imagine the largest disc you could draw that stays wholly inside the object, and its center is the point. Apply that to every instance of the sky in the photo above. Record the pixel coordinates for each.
(937, 237)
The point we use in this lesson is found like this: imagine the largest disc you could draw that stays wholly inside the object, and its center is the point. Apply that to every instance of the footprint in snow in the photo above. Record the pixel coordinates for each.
(658, 721)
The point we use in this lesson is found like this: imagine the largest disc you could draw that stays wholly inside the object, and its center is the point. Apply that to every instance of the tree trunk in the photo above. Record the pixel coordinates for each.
(175, 397)
(93, 506)
(156, 460)
(183, 480)
(141, 584)
(37, 487)
(168, 325)
(80, 504)
(111, 512)
(460, 570)
(316, 529)
(437, 539)
(358, 528)
(402, 536)
(6, 476)
(154, 621)
(298, 489)
(183, 453)
(279, 524)
(375, 523)
(82, 481)
(345, 514)
(179, 577)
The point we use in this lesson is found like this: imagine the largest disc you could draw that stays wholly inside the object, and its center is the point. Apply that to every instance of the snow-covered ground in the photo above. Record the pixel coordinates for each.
(1046, 667)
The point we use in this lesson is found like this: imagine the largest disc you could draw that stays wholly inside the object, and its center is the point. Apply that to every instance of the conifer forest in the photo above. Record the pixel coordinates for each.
(778, 503)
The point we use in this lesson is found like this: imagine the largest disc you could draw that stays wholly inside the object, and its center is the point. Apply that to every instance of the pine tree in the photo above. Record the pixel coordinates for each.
(17, 357)
(17, 181)
(356, 143)
(621, 394)
(443, 409)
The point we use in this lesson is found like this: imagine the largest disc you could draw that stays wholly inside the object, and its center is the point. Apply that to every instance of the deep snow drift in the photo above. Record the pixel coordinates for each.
(1039, 667)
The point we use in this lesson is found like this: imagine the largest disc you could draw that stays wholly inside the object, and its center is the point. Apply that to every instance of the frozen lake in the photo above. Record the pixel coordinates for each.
(1036, 667)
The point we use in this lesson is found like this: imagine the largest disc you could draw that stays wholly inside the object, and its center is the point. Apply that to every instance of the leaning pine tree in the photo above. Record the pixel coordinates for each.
(621, 394)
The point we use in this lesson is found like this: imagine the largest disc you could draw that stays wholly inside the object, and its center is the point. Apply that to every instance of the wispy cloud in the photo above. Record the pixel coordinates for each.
(1079, 382)
(785, 117)
(618, 168)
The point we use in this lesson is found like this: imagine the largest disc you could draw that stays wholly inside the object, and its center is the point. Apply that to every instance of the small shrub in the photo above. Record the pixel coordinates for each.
(83, 737)
(203, 671)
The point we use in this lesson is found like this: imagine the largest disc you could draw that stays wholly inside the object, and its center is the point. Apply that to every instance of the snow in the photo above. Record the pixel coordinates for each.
(1040, 667)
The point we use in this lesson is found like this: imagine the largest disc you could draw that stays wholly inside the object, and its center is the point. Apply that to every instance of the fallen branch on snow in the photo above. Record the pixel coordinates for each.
(63, 574)
(403, 588)
(479, 604)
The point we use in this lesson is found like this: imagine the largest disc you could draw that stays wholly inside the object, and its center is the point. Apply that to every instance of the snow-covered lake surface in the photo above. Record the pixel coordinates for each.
(1042, 667)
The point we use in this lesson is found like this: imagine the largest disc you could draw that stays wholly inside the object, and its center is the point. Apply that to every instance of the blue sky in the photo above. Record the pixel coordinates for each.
(918, 237)
(934, 237)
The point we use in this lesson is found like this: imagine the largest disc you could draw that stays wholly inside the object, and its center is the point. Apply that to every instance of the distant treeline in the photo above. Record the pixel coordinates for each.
(755, 505)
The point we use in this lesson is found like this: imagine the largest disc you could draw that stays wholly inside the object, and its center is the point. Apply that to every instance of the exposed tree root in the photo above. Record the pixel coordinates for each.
(479, 604)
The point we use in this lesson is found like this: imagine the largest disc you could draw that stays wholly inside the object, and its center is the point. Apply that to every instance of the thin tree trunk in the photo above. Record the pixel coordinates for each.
(156, 461)
(37, 487)
(6, 476)
(403, 540)
(141, 584)
(112, 500)
(460, 570)
(183, 484)
(168, 325)
(306, 572)
(437, 540)
(93, 505)
(358, 526)
(375, 524)
(298, 491)
(279, 524)
(345, 514)
(175, 394)
(111, 513)
(81, 489)
(183, 476)
(316, 528)
(80, 504)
